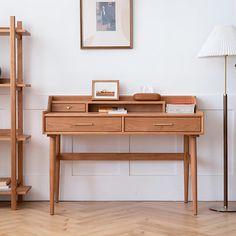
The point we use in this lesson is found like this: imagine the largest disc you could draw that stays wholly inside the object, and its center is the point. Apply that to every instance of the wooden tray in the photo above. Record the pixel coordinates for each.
(147, 97)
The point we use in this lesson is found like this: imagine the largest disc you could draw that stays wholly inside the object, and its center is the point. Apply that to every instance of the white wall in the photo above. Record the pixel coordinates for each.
(167, 37)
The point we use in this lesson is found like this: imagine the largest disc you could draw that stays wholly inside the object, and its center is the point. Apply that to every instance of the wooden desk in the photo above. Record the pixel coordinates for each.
(78, 115)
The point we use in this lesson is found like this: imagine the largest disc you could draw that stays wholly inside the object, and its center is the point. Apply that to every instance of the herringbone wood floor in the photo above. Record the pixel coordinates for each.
(113, 219)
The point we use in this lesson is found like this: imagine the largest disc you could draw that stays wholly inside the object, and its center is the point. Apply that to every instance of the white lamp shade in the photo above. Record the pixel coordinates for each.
(221, 42)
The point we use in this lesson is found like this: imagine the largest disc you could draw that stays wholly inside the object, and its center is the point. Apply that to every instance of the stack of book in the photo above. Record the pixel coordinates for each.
(113, 110)
(105, 109)
(180, 108)
(5, 184)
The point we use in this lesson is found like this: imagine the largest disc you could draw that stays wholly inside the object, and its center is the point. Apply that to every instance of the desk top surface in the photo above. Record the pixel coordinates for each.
(129, 114)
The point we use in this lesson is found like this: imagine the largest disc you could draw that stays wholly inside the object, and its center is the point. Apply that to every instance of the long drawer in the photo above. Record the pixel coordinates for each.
(162, 124)
(83, 124)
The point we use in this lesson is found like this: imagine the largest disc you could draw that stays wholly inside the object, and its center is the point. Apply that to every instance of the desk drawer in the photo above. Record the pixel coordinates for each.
(162, 124)
(73, 107)
(83, 124)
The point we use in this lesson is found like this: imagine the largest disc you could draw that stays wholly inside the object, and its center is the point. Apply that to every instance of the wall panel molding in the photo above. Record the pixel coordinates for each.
(125, 180)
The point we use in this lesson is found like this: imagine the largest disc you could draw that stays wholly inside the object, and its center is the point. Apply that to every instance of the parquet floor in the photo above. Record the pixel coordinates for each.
(115, 218)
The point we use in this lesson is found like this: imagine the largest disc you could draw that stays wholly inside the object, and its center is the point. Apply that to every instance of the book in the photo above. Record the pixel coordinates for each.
(5, 181)
(118, 111)
(113, 110)
(4, 188)
(180, 108)
(106, 109)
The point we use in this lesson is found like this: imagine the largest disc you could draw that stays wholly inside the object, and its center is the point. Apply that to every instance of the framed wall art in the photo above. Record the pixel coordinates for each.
(106, 24)
(105, 90)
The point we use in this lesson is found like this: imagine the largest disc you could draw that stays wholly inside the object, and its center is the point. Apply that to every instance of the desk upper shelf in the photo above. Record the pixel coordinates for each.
(122, 99)
(86, 104)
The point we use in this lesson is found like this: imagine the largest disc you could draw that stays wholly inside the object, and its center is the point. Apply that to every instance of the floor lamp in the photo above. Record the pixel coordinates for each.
(222, 43)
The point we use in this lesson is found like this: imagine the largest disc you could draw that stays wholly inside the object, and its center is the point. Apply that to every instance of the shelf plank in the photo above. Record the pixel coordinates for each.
(5, 83)
(125, 102)
(5, 136)
(22, 190)
(20, 85)
(110, 102)
(124, 98)
(5, 31)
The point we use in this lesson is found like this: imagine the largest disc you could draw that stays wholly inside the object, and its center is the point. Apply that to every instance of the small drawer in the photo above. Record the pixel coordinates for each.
(69, 107)
(163, 124)
(83, 124)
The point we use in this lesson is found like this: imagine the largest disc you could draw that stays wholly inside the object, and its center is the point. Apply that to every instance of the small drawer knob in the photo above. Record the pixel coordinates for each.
(68, 107)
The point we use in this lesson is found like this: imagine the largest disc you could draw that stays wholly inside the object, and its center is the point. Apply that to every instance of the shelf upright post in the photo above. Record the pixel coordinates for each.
(13, 112)
(20, 105)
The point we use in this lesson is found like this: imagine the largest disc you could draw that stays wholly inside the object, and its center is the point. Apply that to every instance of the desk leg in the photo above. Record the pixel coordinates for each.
(193, 156)
(186, 168)
(52, 172)
(57, 177)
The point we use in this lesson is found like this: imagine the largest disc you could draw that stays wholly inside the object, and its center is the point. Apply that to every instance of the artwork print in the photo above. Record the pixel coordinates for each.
(105, 92)
(106, 16)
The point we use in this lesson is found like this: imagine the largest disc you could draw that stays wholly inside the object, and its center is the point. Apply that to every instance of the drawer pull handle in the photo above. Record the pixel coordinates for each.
(84, 124)
(68, 107)
(163, 124)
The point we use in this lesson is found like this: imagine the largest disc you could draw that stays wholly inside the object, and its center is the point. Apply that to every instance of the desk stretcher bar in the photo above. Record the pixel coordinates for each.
(121, 156)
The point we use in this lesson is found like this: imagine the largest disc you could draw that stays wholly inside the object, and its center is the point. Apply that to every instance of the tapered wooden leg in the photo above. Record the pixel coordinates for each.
(57, 177)
(193, 156)
(52, 172)
(186, 168)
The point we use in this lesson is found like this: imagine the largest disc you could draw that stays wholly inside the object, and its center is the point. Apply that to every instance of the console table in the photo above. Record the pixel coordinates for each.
(78, 115)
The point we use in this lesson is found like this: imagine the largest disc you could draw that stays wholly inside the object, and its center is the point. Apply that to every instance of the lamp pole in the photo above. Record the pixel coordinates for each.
(226, 207)
(225, 140)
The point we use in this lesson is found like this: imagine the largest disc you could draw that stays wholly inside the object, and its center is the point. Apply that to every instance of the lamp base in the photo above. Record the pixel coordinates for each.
(224, 209)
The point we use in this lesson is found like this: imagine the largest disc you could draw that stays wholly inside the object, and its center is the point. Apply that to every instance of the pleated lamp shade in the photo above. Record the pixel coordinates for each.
(221, 42)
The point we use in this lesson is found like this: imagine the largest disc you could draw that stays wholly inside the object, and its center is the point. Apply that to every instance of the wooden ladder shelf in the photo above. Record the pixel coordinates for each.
(15, 133)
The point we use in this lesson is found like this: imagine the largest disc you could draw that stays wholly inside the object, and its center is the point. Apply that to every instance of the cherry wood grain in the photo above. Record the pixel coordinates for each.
(83, 124)
(147, 124)
(143, 118)
(121, 156)
(20, 107)
(58, 166)
(193, 156)
(15, 132)
(52, 172)
(13, 113)
(69, 107)
(127, 98)
(186, 167)
(132, 114)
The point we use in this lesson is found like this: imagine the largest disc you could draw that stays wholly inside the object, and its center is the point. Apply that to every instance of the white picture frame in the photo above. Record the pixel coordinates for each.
(106, 24)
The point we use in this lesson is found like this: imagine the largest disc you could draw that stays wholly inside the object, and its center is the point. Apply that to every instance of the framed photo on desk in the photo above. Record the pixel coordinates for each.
(105, 90)
(106, 24)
